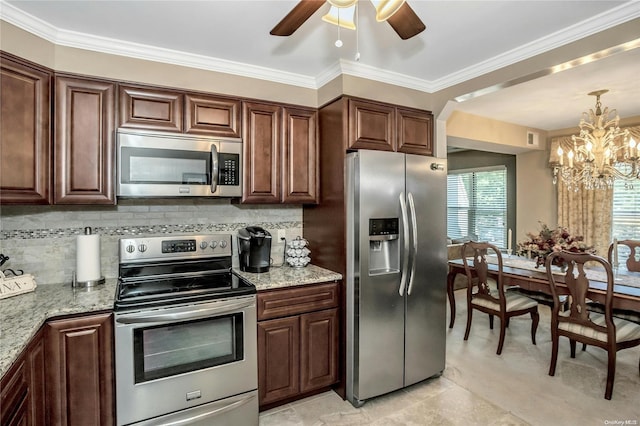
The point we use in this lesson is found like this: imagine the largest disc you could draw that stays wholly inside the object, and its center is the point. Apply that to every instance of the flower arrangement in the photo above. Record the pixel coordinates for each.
(548, 240)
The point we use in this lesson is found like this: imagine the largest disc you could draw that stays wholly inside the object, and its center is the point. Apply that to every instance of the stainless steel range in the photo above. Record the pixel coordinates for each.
(185, 334)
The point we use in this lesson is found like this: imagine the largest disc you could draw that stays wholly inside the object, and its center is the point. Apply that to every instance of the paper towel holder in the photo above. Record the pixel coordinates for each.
(90, 283)
(86, 284)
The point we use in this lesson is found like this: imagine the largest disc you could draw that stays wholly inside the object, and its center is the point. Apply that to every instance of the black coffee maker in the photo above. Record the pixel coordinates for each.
(254, 247)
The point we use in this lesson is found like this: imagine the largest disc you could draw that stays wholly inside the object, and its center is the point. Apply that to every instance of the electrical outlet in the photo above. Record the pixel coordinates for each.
(281, 234)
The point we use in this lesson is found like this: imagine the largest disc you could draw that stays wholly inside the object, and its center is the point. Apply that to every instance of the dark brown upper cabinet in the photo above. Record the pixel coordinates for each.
(25, 132)
(212, 116)
(261, 152)
(371, 126)
(157, 109)
(386, 127)
(415, 131)
(280, 154)
(151, 109)
(84, 141)
(300, 156)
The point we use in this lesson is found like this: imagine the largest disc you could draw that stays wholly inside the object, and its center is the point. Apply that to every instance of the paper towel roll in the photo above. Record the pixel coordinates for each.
(88, 258)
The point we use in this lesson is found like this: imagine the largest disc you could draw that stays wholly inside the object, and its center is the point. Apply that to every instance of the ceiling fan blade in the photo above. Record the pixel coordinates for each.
(405, 22)
(298, 15)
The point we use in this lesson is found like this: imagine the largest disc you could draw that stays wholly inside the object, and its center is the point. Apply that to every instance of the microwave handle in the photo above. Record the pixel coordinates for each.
(214, 168)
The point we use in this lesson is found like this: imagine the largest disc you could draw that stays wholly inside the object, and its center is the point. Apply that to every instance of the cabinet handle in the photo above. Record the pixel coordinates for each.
(214, 168)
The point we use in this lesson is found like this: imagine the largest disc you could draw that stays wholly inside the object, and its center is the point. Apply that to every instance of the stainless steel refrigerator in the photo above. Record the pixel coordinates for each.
(396, 271)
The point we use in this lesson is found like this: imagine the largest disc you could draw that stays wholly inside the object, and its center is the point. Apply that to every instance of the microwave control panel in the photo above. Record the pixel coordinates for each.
(228, 169)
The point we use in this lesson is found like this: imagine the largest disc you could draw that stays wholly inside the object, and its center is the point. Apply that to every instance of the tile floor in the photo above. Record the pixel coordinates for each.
(479, 387)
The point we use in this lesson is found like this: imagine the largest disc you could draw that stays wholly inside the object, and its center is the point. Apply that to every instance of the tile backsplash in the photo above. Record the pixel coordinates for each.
(41, 240)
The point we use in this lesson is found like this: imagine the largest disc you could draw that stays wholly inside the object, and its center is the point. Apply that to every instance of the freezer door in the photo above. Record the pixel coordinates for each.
(375, 307)
(425, 301)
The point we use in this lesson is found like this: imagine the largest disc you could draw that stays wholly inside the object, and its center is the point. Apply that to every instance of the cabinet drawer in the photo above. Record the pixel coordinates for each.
(293, 301)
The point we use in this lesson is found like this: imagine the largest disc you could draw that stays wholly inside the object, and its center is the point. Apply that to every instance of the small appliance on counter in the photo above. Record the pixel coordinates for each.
(87, 272)
(254, 249)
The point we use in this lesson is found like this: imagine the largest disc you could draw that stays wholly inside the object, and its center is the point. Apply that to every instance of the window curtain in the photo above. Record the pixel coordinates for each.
(584, 212)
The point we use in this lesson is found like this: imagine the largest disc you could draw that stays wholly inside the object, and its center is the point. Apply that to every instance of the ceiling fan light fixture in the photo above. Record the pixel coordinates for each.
(342, 3)
(386, 8)
(341, 16)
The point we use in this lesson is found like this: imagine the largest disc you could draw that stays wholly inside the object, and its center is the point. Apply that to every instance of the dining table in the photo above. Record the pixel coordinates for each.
(523, 273)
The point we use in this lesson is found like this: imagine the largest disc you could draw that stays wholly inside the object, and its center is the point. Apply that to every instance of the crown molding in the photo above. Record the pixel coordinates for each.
(78, 40)
(621, 14)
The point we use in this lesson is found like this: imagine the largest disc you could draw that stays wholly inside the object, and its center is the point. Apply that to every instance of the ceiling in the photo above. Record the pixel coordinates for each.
(462, 40)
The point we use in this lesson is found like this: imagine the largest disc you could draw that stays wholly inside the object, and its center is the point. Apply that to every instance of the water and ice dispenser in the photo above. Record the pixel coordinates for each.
(384, 249)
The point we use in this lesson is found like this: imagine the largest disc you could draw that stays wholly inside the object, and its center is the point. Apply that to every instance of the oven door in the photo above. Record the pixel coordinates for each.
(175, 358)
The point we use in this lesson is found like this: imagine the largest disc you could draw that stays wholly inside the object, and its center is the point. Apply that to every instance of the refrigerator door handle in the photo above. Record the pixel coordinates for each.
(405, 237)
(414, 240)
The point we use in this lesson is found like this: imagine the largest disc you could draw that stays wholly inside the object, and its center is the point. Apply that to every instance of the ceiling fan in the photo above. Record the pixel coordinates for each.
(403, 19)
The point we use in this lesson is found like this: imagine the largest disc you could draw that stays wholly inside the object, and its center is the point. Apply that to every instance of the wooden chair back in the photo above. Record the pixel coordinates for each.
(577, 286)
(479, 283)
(633, 261)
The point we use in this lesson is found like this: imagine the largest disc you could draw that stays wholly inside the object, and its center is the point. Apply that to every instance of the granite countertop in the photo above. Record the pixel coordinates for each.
(286, 276)
(21, 316)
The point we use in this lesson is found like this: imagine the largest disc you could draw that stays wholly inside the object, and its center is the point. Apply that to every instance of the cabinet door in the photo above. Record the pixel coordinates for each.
(84, 141)
(371, 126)
(212, 116)
(37, 394)
(25, 133)
(278, 359)
(14, 394)
(318, 349)
(415, 131)
(300, 156)
(79, 377)
(22, 396)
(261, 145)
(151, 109)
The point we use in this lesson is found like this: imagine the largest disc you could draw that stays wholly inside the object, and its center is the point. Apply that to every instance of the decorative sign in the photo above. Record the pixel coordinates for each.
(16, 285)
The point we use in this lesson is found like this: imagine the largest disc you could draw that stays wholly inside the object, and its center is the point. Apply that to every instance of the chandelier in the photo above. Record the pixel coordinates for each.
(600, 154)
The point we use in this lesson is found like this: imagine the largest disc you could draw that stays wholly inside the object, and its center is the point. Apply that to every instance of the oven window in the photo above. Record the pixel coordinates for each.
(165, 166)
(167, 350)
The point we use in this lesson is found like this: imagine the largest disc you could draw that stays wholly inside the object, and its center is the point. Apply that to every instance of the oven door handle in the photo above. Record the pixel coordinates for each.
(188, 315)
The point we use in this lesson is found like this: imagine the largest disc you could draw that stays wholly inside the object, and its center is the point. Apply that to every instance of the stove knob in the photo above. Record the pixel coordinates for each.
(130, 248)
(203, 245)
(213, 244)
(223, 244)
(142, 248)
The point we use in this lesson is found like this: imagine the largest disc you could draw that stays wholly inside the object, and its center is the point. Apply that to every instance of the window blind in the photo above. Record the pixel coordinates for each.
(626, 210)
(477, 204)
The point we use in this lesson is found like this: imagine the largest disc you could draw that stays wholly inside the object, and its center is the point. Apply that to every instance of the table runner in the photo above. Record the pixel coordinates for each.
(623, 277)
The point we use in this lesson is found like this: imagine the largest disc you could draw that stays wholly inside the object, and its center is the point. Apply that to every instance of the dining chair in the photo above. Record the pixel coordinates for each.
(488, 295)
(633, 265)
(579, 324)
(633, 260)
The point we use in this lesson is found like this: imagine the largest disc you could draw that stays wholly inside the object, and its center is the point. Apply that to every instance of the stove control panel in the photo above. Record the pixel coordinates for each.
(181, 246)
(175, 247)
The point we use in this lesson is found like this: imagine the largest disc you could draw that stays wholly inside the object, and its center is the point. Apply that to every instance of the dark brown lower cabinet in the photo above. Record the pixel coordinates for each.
(22, 389)
(80, 379)
(278, 360)
(298, 348)
(318, 349)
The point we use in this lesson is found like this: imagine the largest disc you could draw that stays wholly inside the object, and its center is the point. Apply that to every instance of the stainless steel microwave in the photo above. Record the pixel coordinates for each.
(154, 164)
